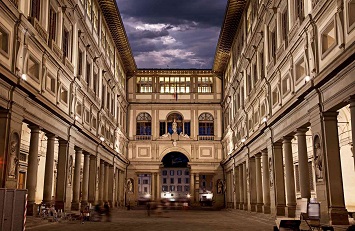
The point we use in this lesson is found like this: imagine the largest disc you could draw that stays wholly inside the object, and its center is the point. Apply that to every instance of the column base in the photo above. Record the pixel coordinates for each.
(280, 210)
(60, 205)
(245, 207)
(253, 207)
(259, 208)
(267, 209)
(75, 206)
(31, 209)
(338, 216)
(47, 203)
(291, 211)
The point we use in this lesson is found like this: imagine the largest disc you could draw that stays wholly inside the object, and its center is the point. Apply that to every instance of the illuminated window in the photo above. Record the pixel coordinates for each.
(144, 124)
(205, 84)
(205, 125)
(174, 84)
(328, 38)
(144, 84)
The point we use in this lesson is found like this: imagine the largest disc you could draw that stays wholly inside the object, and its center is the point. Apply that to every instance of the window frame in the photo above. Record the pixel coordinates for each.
(8, 33)
(324, 53)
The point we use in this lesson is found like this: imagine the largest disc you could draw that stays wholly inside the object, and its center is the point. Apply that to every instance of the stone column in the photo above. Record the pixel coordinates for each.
(266, 181)
(303, 163)
(192, 187)
(236, 192)
(110, 184)
(32, 169)
(241, 186)
(92, 179)
(48, 177)
(117, 196)
(252, 184)
(76, 185)
(259, 186)
(352, 116)
(153, 186)
(290, 178)
(62, 174)
(101, 182)
(86, 173)
(158, 187)
(337, 210)
(245, 191)
(280, 200)
(197, 187)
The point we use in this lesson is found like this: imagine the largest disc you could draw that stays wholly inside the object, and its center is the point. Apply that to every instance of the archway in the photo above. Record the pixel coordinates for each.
(175, 178)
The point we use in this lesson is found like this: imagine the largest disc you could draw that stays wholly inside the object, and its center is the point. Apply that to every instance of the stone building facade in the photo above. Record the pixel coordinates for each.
(289, 105)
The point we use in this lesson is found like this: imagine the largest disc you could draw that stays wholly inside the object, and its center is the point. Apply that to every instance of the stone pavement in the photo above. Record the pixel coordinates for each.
(137, 220)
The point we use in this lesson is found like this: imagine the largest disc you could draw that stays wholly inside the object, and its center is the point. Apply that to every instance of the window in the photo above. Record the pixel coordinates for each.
(79, 109)
(263, 109)
(144, 84)
(94, 123)
(171, 180)
(164, 180)
(174, 84)
(179, 188)
(284, 27)
(351, 13)
(262, 63)
(172, 188)
(171, 172)
(36, 9)
(33, 68)
(299, 9)
(88, 73)
(21, 180)
(4, 40)
(205, 125)
(50, 84)
(187, 180)
(64, 95)
(328, 38)
(95, 17)
(52, 24)
(179, 180)
(165, 188)
(103, 94)
(145, 189)
(300, 69)
(66, 40)
(187, 188)
(187, 128)
(145, 182)
(94, 83)
(275, 97)
(87, 116)
(144, 124)
(187, 172)
(80, 62)
(161, 128)
(205, 84)
(88, 8)
(286, 85)
(255, 74)
(273, 45)
(179, 172)
(165, 172)
(256, 117)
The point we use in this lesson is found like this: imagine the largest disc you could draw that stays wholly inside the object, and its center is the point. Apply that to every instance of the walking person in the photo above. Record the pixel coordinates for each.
(148, 208)
(107, 212)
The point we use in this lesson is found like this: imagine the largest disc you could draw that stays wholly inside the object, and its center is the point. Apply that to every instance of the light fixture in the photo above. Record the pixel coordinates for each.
(243, 140)
(188, 195)
(24, 76)
(264, 120)
(307, 78)
(76, 117)
(102, 138)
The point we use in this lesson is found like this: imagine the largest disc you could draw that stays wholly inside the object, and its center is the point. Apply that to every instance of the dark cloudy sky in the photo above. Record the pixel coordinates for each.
(173, 33)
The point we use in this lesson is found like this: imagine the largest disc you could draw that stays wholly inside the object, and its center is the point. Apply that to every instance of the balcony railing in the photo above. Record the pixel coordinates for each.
(211, 137)
(143, 137)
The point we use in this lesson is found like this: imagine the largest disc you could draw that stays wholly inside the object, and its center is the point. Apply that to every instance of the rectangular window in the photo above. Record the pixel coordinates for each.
(66, 38)
(79, 109)
(52, 24)
(187, 180)
(64, 95)
(4, 40)
(88, 73)
(94, 122)
(88, 8)
(145, 181)
(205, 84)
(95, 17)
(300, 69)
(174, 84)
(80, 62)
(172, 188)
(171, 180)
(187, 128)
(187, 188)
(179, 180)
(50, 84)
(272, 45)
(165, 188)
(171, 172)
(144, 84)
(351, 13)
(284, 28)
(145, 189)
(94, 83)
(33, 68)
(286, 85)
(162, 130)
(275, 97)
(328, 38)
(103, 94)
(299, 9)
(164, 180)
(262, 64)
(36, 9)
(255, 74)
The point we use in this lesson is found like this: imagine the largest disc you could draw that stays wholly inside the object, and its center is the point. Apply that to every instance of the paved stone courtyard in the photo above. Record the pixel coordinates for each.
(172, 220)
(192, 220)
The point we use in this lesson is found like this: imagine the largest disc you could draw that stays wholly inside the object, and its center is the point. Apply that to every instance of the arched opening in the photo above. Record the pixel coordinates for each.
(175, 178)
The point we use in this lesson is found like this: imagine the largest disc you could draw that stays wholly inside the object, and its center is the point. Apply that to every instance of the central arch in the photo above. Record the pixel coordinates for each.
(175, 177)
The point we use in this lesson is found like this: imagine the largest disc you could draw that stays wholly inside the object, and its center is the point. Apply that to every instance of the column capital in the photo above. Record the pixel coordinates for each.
(50, 135)
(330, 115)
(287, 139)
(277, 145)
(34, 128)
(264, 152)
(301, 131)
(258, 155)
(77, 149)
(86, 153)
(352, 101)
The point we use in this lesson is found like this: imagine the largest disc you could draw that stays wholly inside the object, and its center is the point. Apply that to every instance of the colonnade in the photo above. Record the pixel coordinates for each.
(101, 181)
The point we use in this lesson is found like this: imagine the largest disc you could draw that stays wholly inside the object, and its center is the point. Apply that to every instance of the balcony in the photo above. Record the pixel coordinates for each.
(142, 137)
(211, 137)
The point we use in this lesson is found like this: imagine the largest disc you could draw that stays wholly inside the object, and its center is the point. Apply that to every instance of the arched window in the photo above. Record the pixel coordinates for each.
(205, 125)
(144, 124)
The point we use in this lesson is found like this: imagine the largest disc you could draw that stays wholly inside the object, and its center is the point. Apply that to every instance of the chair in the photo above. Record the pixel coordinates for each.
(312, 217)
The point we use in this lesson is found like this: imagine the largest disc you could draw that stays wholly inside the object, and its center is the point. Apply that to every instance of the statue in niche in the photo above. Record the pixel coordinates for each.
(130, 185)
(70, 170)
(219, 186)
(13, 160)
(318, 159)
(174, 126)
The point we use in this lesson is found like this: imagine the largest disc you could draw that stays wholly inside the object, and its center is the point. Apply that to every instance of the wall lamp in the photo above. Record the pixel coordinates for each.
(97, 57)
(243, 140)
(102, 138)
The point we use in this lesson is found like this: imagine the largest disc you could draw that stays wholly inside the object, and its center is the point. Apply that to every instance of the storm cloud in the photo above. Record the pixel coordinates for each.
(173, 33)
